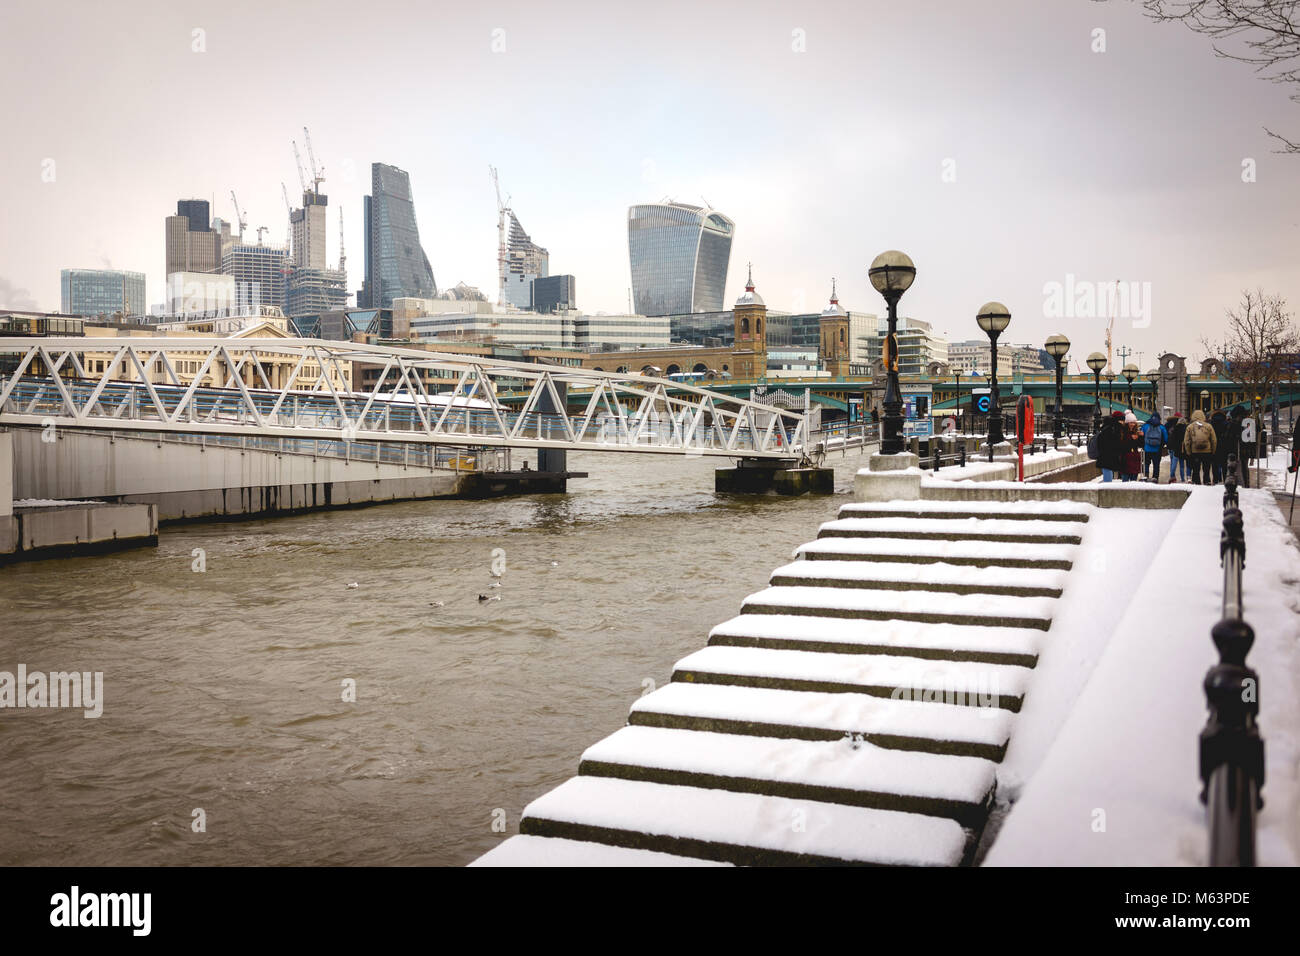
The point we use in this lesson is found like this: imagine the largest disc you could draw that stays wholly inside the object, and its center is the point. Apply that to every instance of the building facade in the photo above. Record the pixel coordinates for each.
(192, 245)
(555, 294)
(526, 262)
(260, 274)
(918, 346)
(395, 261)
(102, 292)
(679, 256)
(749, 349)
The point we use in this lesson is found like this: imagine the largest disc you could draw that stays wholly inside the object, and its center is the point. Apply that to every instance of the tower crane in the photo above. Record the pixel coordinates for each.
(502, 209)
(1110, 326)
(297, 161)
(239, 216)
(260, 230)
(317, 172)
(343, 256)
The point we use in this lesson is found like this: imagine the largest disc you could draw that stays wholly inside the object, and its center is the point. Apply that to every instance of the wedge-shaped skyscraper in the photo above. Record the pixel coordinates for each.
(679, 255)
(396, 265)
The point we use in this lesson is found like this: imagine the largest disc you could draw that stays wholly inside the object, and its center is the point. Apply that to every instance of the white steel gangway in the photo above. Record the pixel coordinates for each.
(303, 388)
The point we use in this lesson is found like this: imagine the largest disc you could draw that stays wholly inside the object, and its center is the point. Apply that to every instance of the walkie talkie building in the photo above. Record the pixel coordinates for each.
(679, 255)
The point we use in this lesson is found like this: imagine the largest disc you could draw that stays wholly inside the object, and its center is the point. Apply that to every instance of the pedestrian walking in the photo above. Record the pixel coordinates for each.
(1219, 421)
(1110, 446)
(1199, 446)
(1132, 447)
(1241, 441)
(1154, 440)
(1176, 426)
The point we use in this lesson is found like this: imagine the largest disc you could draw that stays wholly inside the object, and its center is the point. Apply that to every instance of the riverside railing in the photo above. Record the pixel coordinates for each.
(1232, 751)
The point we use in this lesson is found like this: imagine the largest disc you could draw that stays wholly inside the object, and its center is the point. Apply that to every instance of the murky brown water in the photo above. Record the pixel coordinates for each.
(223, 689)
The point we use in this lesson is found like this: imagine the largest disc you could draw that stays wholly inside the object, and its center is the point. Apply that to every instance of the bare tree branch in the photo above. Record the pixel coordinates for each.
(1259, 343)
(1266, 34)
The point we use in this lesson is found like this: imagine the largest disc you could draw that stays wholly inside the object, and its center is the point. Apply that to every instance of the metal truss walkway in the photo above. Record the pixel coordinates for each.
(258, 386)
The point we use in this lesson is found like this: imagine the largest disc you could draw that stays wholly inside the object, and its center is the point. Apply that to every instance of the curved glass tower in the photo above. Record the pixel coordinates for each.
(679, 255)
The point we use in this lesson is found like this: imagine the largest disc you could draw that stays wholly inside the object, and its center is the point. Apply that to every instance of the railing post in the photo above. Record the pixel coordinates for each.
(1231, 749)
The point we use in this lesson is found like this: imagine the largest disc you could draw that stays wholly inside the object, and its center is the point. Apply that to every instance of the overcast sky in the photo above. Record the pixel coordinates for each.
(1123, 164)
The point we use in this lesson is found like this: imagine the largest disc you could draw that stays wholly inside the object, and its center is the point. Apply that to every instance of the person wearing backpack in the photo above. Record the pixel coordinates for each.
(1199, 445)
(1154, 439)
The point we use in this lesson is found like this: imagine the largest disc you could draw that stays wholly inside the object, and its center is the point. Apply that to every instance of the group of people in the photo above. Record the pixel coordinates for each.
(1127, 448)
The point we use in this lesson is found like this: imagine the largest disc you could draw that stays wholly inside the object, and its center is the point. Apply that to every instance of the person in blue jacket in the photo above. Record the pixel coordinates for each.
(1154, 440)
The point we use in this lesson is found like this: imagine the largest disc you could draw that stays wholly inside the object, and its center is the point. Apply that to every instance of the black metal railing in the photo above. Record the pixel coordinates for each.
(937, 459)
(1232, 751)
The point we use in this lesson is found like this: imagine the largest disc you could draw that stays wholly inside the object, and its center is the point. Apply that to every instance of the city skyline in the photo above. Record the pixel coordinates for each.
(1123, 164)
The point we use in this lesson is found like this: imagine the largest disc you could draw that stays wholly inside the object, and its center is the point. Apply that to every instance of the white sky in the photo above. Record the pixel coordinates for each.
(1122, 164)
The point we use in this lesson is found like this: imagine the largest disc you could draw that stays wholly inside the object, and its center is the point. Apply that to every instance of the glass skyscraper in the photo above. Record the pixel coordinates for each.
(679, 256)
(95, 292)
(396, 265)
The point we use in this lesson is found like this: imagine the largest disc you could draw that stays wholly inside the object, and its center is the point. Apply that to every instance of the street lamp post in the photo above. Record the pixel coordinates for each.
(891, 274)
(1130, 372)
(956, 402)
(1096, 361)
(1058, 346)
(993, 318)
(1153, 377)
(1110, 390)
(1205, 400)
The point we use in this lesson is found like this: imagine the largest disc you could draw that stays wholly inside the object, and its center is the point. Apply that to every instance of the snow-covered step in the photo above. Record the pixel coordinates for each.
(930, 607)
(893, 576)
(810, 715)
(965, 683)
(971, 553)
(741, 828)
(850, 772)
(1027, 531)
(1000, 510)
(550, 851)
(953, 642)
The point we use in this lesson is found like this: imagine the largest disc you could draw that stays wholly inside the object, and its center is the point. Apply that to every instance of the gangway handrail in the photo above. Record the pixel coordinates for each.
(1231, 749)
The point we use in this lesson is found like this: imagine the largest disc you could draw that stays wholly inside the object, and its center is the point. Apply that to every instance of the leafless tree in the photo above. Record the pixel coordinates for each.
(1264, 34)
(1259, 343)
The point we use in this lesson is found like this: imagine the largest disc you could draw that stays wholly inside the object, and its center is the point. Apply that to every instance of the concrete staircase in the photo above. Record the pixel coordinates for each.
(852, 713)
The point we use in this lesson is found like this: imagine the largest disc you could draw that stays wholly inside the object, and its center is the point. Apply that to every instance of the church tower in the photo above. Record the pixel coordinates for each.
(749, 350)
(833, 355)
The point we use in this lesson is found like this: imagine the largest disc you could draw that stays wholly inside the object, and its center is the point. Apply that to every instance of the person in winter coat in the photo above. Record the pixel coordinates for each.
(1154, 439)
(1110, 446)
(1238, 446)
(1176, 426)
(1132, 448)
(1220, 423)
(1295, 447)
(1199, 445)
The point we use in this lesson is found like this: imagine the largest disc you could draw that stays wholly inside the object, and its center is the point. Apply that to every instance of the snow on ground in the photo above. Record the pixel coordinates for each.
(1120, 782)
(1117, 548)
(50, 503)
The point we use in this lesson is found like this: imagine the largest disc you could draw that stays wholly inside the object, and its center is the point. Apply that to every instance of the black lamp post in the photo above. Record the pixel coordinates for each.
(1205, 401)
(1058, 346)
(1096, 362)
(993, 318)
(957, 401)
(891, 274)
(1153, 377)
(1130, 372)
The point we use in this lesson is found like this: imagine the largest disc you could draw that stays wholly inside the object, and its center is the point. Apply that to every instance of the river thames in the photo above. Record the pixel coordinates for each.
(223, 688)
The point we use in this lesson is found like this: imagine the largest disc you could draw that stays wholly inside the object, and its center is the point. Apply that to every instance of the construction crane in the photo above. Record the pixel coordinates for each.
(288, 232)
(285, 190)
(502, 209)
(343, 256)
(239, 216)
(1110, 326)
(317, 172)
(297, 161)
(260, 230)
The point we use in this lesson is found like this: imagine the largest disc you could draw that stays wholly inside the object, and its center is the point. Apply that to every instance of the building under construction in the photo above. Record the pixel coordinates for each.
(519, 259)
(311, 286)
